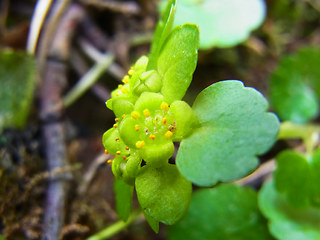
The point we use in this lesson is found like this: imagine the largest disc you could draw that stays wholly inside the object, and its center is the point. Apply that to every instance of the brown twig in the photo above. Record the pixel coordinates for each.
(51, 113)
(120, 7)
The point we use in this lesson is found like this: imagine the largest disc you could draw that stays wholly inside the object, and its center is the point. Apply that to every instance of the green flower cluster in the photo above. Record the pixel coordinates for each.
(146, 123)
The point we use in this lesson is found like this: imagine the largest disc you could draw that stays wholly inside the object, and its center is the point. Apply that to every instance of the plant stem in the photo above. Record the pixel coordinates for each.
(308, 133)
(88, 80)
(115, 228)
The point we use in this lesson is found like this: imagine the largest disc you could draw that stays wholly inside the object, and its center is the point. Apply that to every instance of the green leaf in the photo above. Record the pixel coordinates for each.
(152, 223)
(178, 60)
(222, 23)
(163, 193)
(234, 128)
(18, 79)
(123, 194)
(295, 84)
(285, 221)
(294, 178)
(225, 212)
(162, 31)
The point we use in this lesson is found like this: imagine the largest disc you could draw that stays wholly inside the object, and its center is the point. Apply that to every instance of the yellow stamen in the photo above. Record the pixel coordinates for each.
(152, 136)
(120, 86)
(106, 151)
(136, 127)
(127, 148)
(140, 144)
(117, 119)
(164, 106)
(131, 71)
(168, 134)
(118, 152)
(117, 139)
(125, 157)
(123, 115)
(164, 120)
(115, 125)
(125, 80)
(146, 113)
(135, 114)
(117, 94)
(109, 161)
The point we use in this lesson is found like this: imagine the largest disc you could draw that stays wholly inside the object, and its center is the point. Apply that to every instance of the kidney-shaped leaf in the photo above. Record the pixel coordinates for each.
(222, 23)
(285, 221)
(225, 212)
(234, 128)
(163, 193)
(17, 78)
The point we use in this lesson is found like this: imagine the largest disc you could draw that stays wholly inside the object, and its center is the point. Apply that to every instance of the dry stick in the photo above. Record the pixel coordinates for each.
(121, 7)
(51, 113)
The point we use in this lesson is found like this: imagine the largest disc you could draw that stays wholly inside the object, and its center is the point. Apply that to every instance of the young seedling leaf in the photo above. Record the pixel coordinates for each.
(234, 128)
(222, 23)
(294, 86)
(286, 221)
(225, 212)
(163, 193)
(18, 79)
(123, 194)
(177, 61)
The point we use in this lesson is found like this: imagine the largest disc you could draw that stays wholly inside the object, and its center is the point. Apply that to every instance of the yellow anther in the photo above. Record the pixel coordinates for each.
(124, 90)
(140, 144)
(146, 113)
(135, 114)
(109, 161)
(106, 151)
(118, 152)
(164, 106)
(152, 136)
(117, 119)
(136, 127)
(117, 139)
(125, 80)
(131, 71)
(168, 134)
(125, 157)
(123, 115)
(120, 86)
(127, 148)
(115, 125)
(117, 94)
(164, 120)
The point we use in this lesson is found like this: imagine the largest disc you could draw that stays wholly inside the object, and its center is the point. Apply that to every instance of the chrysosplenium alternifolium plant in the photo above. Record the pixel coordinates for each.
(220, 135)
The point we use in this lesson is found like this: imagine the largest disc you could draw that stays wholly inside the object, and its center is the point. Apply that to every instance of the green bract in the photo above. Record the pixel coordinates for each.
(221, 134)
